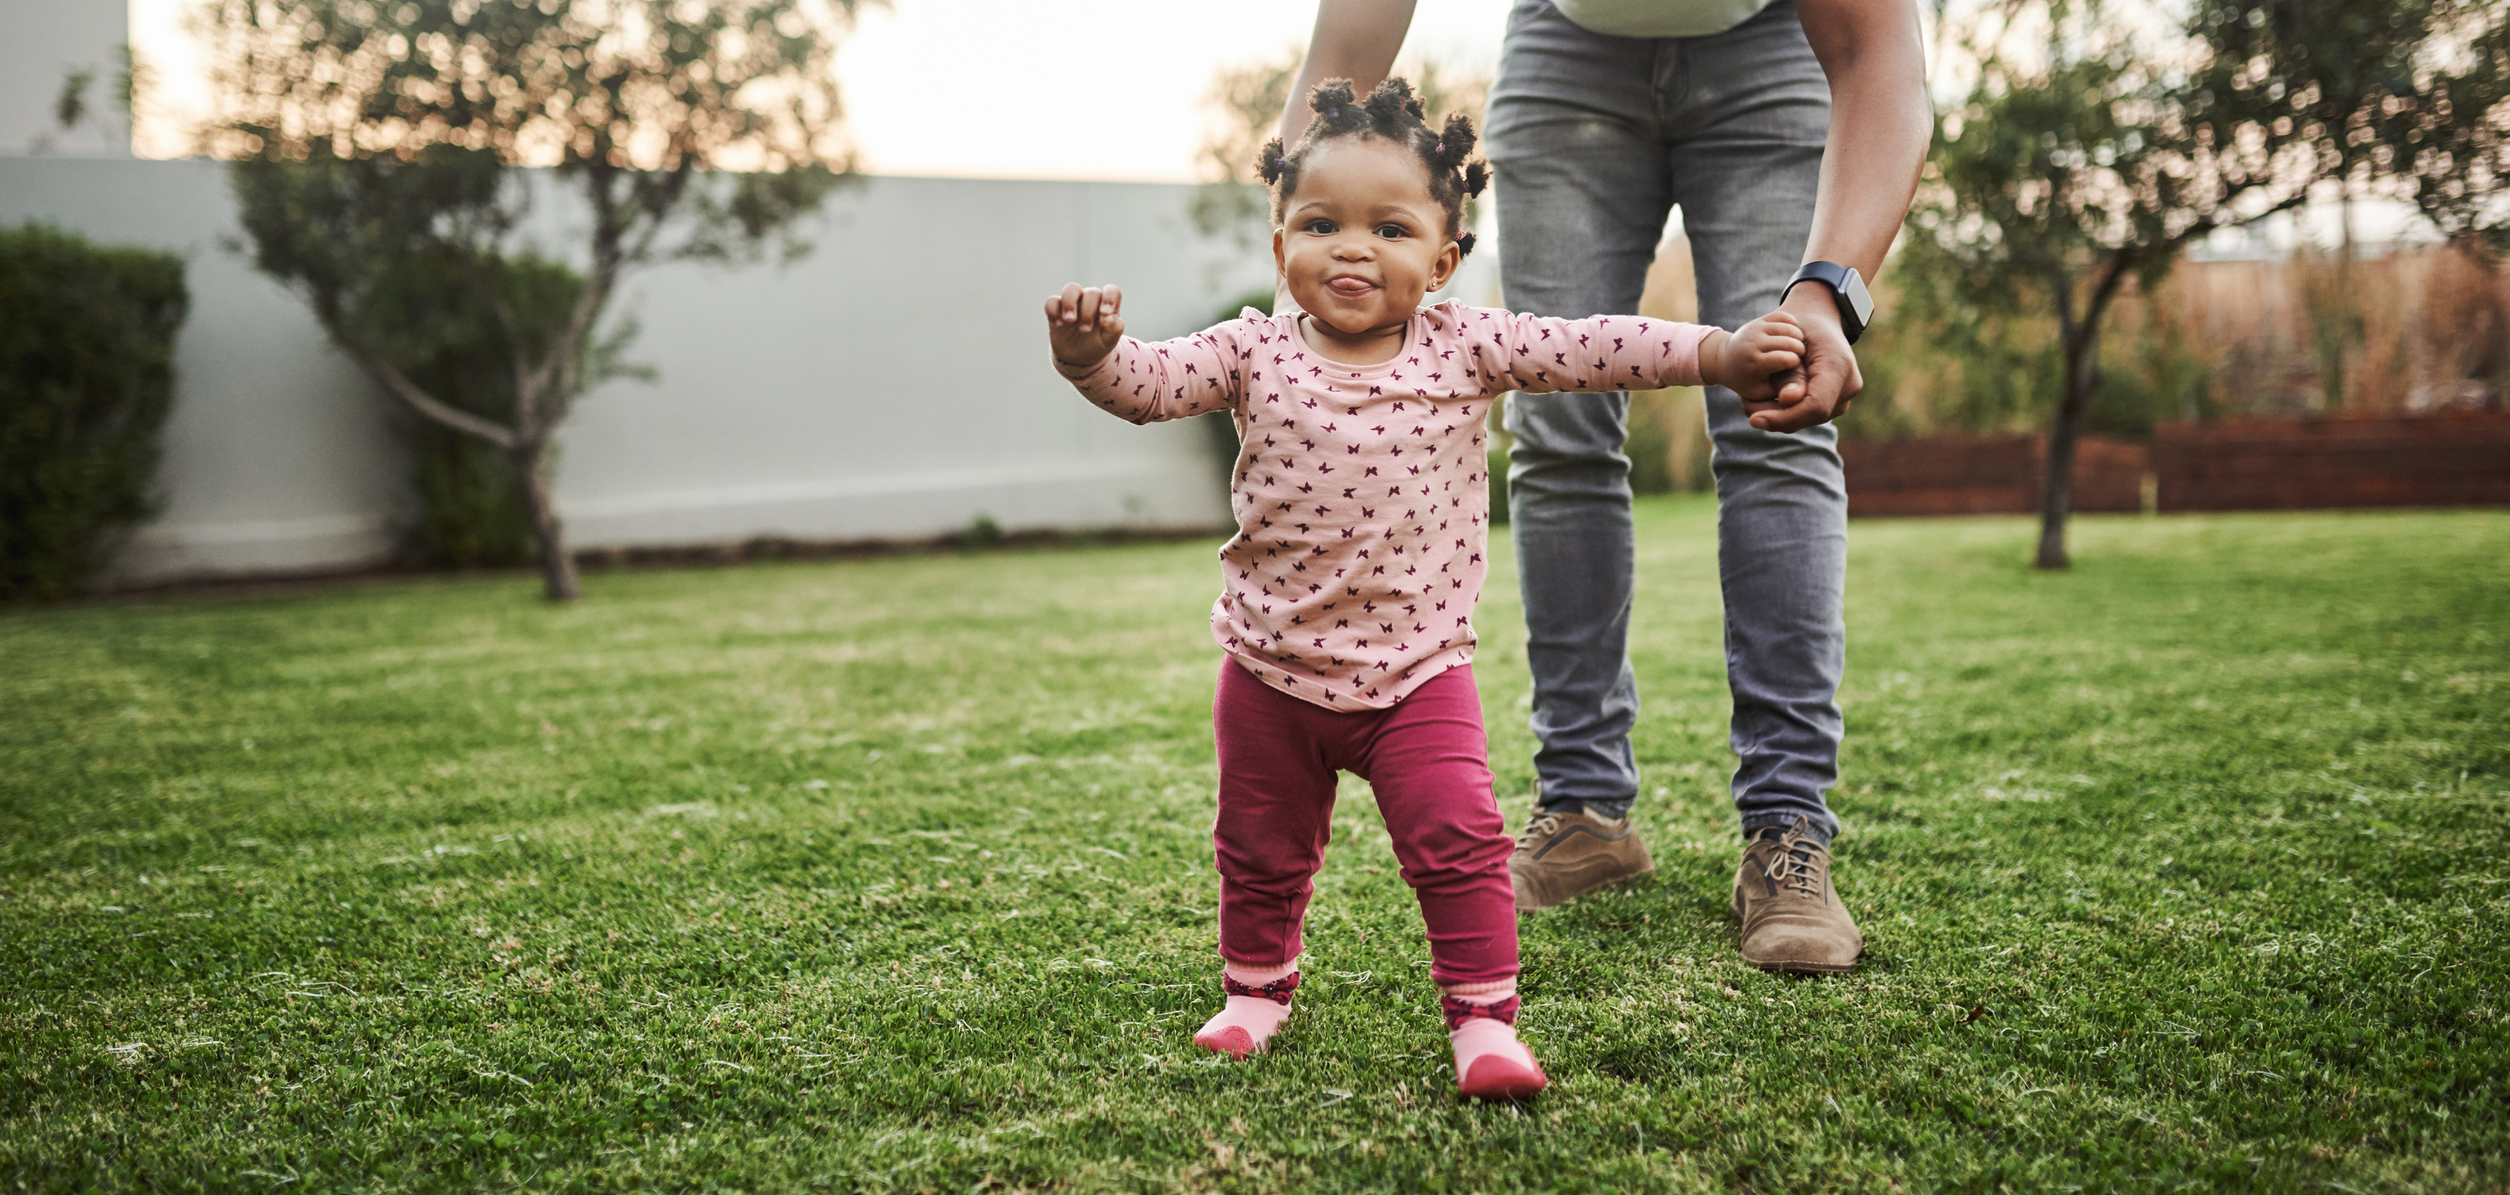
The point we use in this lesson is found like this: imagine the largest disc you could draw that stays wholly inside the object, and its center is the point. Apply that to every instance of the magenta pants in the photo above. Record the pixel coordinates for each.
(1427, 760)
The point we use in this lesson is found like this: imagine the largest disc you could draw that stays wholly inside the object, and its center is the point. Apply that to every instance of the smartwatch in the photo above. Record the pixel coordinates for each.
(1856, 308)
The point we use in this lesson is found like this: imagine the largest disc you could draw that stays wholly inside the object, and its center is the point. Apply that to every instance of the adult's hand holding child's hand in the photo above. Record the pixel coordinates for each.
(1085, 323)
(1819, 390)
(1753, 361)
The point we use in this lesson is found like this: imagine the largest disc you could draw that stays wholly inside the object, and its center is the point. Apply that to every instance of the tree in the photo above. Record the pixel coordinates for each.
(2087, 157)
(377, 146)
(2394, 96)
(2453, 136)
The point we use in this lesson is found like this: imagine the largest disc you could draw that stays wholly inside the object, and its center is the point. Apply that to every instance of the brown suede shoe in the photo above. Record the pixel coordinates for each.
(1792, 918)
(1563, 854)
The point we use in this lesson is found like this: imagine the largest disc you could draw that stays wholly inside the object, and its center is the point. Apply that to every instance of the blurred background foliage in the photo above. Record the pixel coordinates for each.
(2253, 328)
(2394, 330)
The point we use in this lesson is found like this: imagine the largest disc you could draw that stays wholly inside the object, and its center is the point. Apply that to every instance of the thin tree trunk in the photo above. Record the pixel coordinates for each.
(557, 565)
(2335, 331)
(2057, 492)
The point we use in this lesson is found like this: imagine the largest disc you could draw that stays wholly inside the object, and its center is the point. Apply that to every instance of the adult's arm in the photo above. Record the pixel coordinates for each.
(1353, 39)
(1880, 123)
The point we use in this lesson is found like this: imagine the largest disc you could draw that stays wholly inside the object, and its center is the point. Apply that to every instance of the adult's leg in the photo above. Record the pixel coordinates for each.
(1754, 113)
(1427, 761)
(1276, 814)
(1583, 191)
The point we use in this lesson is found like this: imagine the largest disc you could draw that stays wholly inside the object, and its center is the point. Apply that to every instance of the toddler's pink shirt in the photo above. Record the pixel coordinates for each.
(1362, 506)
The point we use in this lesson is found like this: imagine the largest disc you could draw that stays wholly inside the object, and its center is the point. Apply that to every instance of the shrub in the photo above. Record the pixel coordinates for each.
(86, 378)
(471, 509)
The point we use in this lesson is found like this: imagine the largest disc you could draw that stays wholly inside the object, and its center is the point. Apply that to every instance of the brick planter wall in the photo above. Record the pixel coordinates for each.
(1973, 475)
(2431, 460)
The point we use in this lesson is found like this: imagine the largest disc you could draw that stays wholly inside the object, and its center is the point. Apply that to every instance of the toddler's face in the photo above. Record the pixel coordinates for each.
(1362, 241)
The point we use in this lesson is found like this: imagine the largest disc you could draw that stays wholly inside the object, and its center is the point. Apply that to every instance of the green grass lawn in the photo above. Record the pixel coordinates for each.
(2185, 868)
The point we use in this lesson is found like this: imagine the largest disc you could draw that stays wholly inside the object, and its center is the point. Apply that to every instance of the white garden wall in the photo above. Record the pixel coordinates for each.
(41, 42)
(893, 384)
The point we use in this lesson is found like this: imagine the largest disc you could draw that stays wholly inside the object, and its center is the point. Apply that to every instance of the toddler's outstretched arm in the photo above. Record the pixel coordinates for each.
(1085, 323)
(1141, 383)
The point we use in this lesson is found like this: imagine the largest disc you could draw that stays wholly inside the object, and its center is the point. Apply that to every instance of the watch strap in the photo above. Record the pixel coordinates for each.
(1856, 307)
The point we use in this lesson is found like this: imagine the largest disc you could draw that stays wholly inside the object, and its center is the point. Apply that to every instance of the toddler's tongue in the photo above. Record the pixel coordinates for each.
(1349, 288)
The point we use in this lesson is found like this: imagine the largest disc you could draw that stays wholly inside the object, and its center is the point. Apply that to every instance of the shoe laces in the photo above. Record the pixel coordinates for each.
(1537, 828)
(1797, 865)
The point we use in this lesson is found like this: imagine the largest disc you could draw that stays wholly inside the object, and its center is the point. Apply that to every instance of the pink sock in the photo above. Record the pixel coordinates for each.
(1259, 1000)
(1490, 1063)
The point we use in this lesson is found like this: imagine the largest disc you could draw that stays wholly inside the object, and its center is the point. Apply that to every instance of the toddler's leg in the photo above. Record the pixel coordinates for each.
(1276, 813)
(1428, 764)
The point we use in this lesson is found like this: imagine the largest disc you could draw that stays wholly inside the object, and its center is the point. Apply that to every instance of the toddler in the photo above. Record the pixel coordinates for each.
(1363, 505)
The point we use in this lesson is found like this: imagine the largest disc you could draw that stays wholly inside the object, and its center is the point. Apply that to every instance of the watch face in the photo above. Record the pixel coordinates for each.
(1859, 301)
(1856, 306)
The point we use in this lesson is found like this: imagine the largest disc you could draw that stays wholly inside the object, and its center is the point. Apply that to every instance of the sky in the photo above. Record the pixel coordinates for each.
(1105, 90)
(1108, 90)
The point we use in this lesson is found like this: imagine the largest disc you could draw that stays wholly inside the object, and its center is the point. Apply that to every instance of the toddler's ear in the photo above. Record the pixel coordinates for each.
(1449, 259)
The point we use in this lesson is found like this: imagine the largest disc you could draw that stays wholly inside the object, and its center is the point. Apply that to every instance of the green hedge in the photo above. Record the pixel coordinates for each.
(86, 378)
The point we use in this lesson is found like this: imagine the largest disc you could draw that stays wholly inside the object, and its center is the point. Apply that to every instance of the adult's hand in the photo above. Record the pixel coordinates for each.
(1820, 389)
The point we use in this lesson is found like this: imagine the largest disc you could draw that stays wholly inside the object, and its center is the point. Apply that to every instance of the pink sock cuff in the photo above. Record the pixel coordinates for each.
(1257, 976)
(1460, 1010)
(1283, 981)
(1481, 993)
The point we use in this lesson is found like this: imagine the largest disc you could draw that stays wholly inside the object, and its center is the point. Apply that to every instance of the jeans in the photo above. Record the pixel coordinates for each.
(1594, 139)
